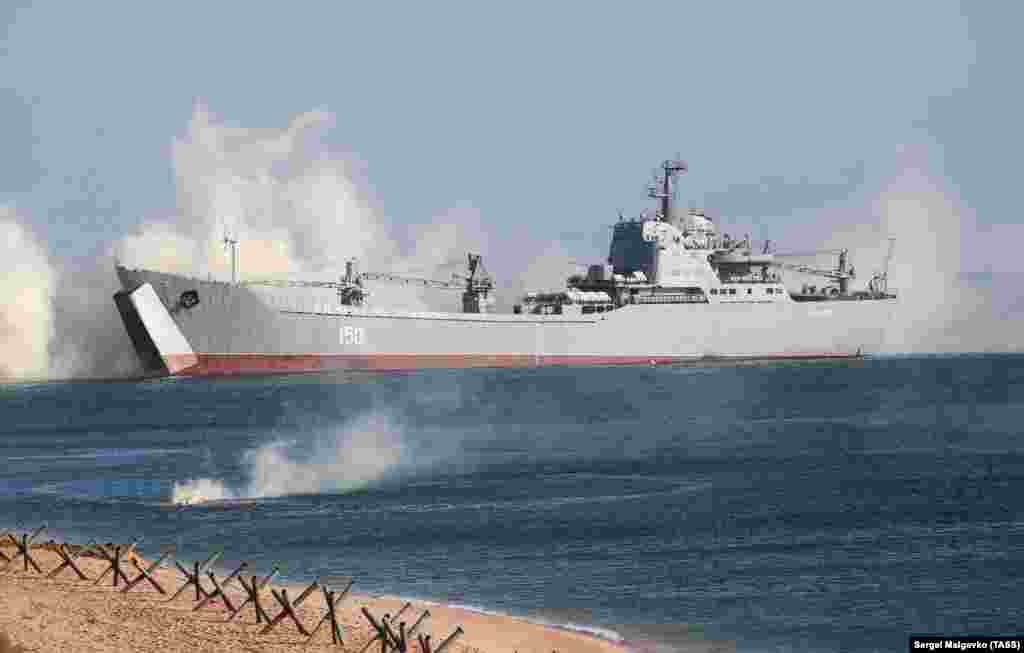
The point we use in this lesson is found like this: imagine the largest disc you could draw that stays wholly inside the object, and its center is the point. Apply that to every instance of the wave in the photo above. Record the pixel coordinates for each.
(598, 632)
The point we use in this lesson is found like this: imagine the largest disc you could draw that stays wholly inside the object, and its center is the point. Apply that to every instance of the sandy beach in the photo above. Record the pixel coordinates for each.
(69, 614)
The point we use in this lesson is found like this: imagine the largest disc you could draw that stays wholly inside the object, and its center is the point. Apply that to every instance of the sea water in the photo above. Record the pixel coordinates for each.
(794, 507)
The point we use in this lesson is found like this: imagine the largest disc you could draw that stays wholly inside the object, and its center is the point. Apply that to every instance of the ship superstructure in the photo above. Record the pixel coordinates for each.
(672, 289)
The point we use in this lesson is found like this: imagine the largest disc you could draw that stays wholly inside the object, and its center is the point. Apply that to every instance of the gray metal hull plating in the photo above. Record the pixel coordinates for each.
(234, 329)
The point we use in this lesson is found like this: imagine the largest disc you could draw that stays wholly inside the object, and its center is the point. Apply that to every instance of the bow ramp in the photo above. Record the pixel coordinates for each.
(159, 342)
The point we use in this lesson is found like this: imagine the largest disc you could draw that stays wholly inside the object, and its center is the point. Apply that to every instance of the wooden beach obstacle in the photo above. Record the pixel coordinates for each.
(392, 637)
(194, 578)
(114, 558)
(146, 574)
(69, 553)
(425, 642)
(401, 642)
(384, 634)
(218, 588)
(24, 550)
(331, 601)
(253, 595)
(4, 558)
(288, 608)
(379, 626)
(416, 625)
(68, 558)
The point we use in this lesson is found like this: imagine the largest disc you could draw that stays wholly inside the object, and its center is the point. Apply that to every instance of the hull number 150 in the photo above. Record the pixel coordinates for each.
(352, 335)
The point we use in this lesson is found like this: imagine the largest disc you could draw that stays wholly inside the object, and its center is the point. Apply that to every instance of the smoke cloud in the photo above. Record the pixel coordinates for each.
(295, 208)
(56, 318)
(940, 246)
(366, 450)
(89, 339)
(26, 289)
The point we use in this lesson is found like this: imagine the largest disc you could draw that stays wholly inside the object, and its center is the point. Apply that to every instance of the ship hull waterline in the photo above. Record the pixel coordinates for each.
(210, 364)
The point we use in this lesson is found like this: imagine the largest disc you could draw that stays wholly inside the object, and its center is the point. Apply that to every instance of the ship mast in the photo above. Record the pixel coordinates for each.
(232, 243)
(671, 168)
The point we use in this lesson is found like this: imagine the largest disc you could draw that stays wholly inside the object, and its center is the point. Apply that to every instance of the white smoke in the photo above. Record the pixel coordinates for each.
(57, 319)
(547, 269)
(89, 339)
(365, 450)
(26, 294)
(938, 242)
(294, 209)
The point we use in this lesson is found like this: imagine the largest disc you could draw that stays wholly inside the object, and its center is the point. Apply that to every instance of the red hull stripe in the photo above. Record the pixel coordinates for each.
(232, 364)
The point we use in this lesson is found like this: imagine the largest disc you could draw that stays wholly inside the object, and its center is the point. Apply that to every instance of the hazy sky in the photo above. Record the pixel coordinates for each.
(542, 117)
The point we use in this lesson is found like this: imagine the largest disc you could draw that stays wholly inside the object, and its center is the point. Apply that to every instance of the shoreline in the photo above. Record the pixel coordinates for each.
(590, 631)
(45, 614)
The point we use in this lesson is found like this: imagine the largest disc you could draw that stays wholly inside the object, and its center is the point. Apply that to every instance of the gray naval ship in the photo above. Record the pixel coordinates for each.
(672, 290)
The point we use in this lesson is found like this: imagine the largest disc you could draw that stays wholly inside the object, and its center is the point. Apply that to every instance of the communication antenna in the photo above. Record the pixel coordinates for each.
(232, 245)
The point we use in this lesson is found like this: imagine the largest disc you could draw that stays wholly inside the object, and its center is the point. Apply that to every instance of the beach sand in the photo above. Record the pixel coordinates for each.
(68, 614)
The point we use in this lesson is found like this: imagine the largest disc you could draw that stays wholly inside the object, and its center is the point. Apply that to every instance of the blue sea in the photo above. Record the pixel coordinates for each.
(783, 507)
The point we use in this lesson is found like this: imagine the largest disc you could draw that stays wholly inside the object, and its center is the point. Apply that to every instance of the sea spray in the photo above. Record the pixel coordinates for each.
(366, 450)
(200, 490)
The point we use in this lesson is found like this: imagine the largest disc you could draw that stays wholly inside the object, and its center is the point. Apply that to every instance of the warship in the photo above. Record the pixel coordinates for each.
(672, 290)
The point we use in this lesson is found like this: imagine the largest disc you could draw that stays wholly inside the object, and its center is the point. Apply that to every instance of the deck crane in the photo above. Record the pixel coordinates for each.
(818, 252)
(414, 281)
(476, 285)
(841, 273)
(879, 284)
(350, 290)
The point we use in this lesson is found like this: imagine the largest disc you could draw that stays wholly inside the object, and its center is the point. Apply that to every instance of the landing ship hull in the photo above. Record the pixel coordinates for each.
(233, 330)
